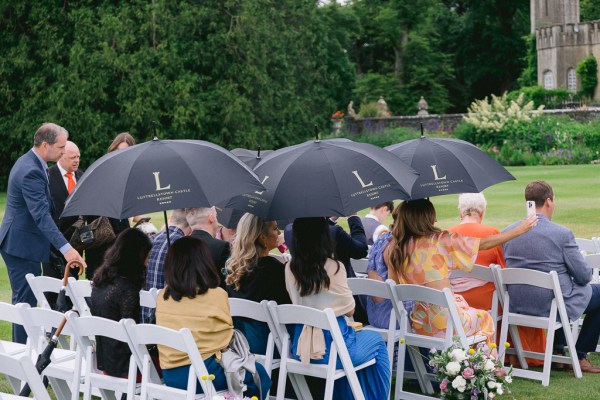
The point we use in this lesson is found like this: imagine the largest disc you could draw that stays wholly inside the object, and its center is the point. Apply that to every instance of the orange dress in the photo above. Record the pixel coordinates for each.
(480, 296)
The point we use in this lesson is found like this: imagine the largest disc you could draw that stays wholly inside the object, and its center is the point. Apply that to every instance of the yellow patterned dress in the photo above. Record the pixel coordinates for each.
(431, 259)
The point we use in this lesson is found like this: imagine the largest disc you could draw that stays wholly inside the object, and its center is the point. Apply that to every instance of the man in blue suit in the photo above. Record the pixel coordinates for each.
(551, 247)
(28, 229)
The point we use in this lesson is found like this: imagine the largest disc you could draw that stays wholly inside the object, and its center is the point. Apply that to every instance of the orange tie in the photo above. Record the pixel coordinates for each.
(70, 182)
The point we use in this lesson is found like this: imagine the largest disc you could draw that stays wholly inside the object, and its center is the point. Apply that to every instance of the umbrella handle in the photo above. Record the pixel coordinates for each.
(60, 327)
(72, 264)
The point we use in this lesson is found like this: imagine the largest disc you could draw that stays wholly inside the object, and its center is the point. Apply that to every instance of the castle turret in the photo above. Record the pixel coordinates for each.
(553, 12)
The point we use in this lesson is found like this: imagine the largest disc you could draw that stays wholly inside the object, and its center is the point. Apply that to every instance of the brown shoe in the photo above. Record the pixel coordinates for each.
(586, 366)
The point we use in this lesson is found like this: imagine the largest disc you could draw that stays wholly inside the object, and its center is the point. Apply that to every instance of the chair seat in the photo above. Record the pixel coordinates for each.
(320, 370)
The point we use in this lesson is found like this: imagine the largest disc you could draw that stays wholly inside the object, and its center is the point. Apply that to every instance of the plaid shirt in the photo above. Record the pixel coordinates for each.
(155, 272)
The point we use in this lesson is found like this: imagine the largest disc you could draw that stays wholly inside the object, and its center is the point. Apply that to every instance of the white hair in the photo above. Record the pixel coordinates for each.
(471, 202)
(199, 215)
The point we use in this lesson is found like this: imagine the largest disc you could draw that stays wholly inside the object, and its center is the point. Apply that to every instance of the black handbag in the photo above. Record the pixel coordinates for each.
(88, 236)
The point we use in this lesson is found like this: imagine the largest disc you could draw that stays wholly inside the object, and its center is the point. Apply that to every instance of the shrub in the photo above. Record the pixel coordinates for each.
(586, 71)
(549, 98)
(369, 110)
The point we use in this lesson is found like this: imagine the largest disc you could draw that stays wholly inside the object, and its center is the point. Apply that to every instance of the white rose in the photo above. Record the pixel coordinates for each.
(491, 395)
(491, 384)
(499, 390)
(458, 355)
(459, 383)
(453, 368)
(508, 379)
(489, 365)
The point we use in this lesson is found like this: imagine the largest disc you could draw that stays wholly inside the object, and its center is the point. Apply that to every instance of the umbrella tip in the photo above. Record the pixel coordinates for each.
(422, 133)
(316, 133)
(258, 153)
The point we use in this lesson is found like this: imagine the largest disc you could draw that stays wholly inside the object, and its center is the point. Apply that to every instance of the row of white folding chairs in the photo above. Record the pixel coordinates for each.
(78, 291)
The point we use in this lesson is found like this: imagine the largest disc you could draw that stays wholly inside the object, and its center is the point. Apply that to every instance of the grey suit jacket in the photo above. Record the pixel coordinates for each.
(548, 247)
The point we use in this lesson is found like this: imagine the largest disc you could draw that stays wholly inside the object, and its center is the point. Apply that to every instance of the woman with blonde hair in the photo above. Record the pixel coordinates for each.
(419, 253)
(254, 275)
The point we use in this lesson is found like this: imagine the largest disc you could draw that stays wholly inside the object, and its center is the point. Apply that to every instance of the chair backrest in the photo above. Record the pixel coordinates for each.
(591, 246)
(369, 287)
(359, 265)
(442, 298)
(39, 322)
(22, 368)
(485, 274)
(142, 335)
(41, 284)
(148, 297)
(79, 290)
(13, 314)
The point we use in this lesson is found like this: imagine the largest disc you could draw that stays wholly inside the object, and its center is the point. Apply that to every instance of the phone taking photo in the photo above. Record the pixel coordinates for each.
(530, 208)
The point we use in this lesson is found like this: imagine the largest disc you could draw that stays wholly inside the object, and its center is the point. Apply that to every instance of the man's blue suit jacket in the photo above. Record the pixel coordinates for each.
(28, 229)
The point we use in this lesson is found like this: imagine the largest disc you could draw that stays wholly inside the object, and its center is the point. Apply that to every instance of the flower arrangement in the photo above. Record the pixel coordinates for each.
(337, 115)
(472, 374)
(225, 395)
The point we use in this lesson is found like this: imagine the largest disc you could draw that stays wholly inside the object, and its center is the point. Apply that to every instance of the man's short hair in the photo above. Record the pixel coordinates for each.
(199, 215)
(388, 204)
(48, 133)
(538, 191)
(178, 218)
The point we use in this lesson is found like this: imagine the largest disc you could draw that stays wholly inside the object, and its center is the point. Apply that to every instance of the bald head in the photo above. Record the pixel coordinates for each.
(70, 159)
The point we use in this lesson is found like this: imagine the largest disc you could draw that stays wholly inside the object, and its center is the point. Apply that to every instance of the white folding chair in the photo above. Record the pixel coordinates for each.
(372, 287)
(64, 372)
(286, 314)
(14, 315)
(86, 330)
(41, 284)
(360, 266)
(258, 312)
(442, 298)
(148, 297)
(487, 275)
(79, 291)
(522, 276)
(21, 368)
(142, 335)
(590, 246)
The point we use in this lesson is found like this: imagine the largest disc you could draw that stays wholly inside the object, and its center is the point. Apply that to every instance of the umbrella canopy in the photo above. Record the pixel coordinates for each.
(448, 166)
(326, 178)
(250, 157)
(160, 175)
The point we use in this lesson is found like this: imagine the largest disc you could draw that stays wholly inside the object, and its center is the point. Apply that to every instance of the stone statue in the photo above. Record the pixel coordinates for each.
(382, 107)
(351, 113)
(422, 106)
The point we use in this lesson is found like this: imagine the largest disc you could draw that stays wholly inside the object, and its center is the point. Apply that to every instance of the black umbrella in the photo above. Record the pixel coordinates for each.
(448, 166)
(326, 178)
(160, 175)
(250, 157)
(61, 300)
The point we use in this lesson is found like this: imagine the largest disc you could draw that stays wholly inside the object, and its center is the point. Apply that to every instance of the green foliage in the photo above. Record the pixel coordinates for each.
(549, 98)
(369, 110)
(388, 137)
(586, 71)
(589, 10)
(239, 73)
(529, 74)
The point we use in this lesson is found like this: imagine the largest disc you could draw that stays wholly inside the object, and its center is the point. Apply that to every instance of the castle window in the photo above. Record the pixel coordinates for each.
(571, 80)
(548, 80)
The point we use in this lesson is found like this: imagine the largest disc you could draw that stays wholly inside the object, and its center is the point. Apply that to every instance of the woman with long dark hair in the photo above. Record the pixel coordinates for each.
(315, 279)
(116, 294)
(193, 299)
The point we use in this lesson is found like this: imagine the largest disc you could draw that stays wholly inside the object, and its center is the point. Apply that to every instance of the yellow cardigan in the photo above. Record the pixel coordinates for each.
(207, 316)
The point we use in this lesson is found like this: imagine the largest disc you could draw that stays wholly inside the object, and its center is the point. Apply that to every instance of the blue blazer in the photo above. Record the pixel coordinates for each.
(28, 228)
(548, 247)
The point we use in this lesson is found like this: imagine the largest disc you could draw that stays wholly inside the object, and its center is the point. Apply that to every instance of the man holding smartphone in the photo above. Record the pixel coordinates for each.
(551, 247)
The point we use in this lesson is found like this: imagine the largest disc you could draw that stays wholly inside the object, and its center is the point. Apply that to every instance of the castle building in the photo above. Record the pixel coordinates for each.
(562, 41)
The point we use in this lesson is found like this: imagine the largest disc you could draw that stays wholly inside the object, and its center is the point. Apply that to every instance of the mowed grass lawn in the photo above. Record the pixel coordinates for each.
(577, 191)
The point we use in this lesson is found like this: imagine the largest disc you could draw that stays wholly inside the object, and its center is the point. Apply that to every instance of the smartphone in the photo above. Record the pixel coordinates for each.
(530, 208)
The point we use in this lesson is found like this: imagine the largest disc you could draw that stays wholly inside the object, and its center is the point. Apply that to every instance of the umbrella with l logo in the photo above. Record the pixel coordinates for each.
(325, 178)
(160, 175)
(448, 166)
